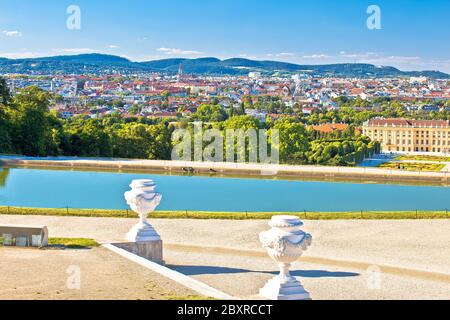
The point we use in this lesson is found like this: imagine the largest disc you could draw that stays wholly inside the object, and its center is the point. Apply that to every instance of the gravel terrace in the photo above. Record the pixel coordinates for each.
(412, 255)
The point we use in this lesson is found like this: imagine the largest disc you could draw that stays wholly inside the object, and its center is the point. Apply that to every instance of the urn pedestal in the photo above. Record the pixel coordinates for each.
(143, 239)
(143, 232)
(150, 250)
(285, 243)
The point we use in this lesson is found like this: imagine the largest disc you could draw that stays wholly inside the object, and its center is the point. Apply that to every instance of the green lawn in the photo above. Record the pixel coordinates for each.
(412, 166)
(69, 243)
(67, 212)
(73, 243)
(423, 158)
(229, 215)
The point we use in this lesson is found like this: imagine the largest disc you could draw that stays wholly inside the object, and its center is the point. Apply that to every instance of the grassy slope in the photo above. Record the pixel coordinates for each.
(227, 215)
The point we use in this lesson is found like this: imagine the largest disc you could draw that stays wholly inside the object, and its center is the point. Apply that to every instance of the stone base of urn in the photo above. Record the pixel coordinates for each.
(284, 289)
(151, 250)
(142, 232)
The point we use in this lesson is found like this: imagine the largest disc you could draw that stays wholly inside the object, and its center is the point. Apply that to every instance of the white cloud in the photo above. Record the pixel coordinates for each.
(402, 58)
(389, 60)
(246, 56)
(20, 55)
(12, 34)
(373, 57)
(75, 50)
(113, 46)
(354, 55)
(173, 51)
(149, 57)
(317, 56)
(281, 55)
(402, 62)
(285, 54)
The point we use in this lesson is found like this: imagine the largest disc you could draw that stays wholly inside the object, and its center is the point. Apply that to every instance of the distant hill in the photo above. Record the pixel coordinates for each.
(101, 63)
(94, 58)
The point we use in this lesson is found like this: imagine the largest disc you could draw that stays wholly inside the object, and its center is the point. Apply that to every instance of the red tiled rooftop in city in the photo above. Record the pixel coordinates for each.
(331, 127)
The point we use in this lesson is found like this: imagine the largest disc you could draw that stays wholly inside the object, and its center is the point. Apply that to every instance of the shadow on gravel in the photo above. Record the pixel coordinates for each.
(199, 270)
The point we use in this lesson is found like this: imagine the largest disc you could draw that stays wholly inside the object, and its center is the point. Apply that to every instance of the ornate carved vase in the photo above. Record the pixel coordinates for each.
(143, 199)
(285, 243)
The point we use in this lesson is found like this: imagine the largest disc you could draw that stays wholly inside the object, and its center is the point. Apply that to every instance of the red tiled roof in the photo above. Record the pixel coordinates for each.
(357, 91)
(331, 127)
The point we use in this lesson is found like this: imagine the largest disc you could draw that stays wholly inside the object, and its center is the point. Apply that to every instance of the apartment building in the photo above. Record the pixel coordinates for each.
(403, 135)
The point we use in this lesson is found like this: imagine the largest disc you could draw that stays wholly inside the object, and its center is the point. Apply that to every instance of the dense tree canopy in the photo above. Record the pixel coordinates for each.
(210, 113)
(28, 127)
(31, 128)
(5, 129)
(5, 97)
(294, 140)
(341, 152)
(241, 122)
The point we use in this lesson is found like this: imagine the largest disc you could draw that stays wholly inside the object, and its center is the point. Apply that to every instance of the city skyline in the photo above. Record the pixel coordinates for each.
(411, 37)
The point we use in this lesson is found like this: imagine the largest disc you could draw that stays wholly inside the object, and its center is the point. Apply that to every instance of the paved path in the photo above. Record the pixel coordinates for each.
(413, 256)
(243, 275)
(45, 274)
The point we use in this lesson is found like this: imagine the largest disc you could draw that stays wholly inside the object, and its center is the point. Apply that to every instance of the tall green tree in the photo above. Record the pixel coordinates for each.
(210, 113)
(88, 138)
(294, 141)
(5, 125)
(5, 97)
(136, 140)
(31, 127)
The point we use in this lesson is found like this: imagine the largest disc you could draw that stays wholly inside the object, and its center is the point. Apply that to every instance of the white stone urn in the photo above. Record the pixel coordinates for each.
(285, 243)
(143, 199)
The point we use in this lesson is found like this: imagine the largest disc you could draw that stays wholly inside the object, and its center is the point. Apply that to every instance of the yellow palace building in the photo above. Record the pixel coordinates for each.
(404, 135)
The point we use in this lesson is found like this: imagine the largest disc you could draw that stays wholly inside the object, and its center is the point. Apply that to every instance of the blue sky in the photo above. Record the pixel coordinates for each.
(414, 36)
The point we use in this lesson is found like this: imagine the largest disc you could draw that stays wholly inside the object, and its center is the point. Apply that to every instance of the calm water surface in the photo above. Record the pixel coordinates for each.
(104, 190)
